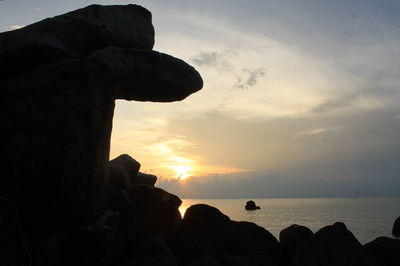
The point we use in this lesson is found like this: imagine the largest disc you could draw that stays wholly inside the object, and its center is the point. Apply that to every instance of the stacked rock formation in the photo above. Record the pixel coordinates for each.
(59, 80)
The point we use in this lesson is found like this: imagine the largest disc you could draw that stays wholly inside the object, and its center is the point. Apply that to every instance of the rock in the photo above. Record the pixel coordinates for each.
(57, 104)
(196, 236)
(396, 228)
(235, 260)
(331, 246)
(127, 162)
(151, 251)
(250, 241)
(118, 177)
(203, 219)
(89, 245)
(75, 34)
(251, 205)
(144, 179)
(383, 251)
(119, 202)
(123, 173)
(157, 210)
(13, 240)
(291, 238)
(205, 261)
(208, 233)
(121, 170)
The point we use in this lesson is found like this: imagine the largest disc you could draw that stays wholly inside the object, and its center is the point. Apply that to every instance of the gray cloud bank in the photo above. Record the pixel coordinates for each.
(345, 155)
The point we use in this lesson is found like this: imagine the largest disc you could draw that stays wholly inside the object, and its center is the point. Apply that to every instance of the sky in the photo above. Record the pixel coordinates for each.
(300, 98)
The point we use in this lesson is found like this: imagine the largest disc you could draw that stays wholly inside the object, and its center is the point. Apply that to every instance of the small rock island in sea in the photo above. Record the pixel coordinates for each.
(63, 202)
(251, 205)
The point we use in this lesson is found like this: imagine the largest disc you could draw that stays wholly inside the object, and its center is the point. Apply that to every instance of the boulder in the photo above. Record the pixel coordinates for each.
(120, 203)
(121, 170)
(157, 210)
(383, 251)
(205, 261)
(203, 219)
(251, 205)
(57, 102)
(396, 228)
(75, 34)
(196, 236)
(251, 241)
(144, 179)
(150, 250)
(291, 238)
(331, 246)
(208, 233)
(13, 240)
(118, 177)
(95, 244)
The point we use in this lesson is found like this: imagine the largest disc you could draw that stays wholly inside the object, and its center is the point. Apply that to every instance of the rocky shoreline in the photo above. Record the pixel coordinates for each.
(142, 225)
(64, 203)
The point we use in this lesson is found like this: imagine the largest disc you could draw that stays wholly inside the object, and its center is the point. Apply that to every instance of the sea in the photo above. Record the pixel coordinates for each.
(366, 218)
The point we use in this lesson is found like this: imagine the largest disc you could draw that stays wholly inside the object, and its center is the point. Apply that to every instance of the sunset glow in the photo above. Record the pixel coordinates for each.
(182, 171)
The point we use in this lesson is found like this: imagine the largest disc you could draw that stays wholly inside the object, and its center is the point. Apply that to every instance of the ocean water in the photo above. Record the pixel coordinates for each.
(366, 218)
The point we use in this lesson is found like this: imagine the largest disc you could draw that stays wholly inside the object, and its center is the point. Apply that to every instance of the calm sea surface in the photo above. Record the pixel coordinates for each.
(367, 218)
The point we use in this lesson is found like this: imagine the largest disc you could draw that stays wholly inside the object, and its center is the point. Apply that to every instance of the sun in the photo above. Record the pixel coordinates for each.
(182, 171)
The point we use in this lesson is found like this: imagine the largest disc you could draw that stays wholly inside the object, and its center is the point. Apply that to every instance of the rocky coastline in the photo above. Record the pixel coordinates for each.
(63, 202)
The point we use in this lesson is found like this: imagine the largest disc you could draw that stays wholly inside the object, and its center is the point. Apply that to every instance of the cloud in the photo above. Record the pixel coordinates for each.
(333, 153)
(334, 104)
(318, 131)
(249, 79)
(213, 59)
(16, 27)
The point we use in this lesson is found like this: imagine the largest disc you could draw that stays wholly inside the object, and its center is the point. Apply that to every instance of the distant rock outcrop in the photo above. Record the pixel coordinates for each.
(251, 205)
(59, 79)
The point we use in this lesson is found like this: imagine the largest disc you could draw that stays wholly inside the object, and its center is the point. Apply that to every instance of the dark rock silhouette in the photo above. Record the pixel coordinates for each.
(251, 205)
(73, 35)
(291, 238)
(383, 251)
(121, 170)
(331, 245)
(157, 210)
(251, 241)
(209, 237)
(152, 251)
(59, 80)
(13, 240)
(396, 228)
(204, 219)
